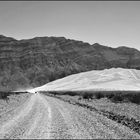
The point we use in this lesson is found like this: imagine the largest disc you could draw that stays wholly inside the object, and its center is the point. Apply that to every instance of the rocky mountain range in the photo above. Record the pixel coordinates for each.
(34, 62)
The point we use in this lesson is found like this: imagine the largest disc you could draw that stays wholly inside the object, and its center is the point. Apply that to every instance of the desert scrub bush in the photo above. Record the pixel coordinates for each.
(71, 93)
(99, 95)
(123, 96)
(110, 95)
(4, 95)
(117, 98)
(133, 97)
(87, 95)
(52, 92)
(79, 98)
(114, 96)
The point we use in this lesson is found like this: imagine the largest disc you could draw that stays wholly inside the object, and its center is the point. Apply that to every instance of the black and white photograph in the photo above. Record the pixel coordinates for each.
(69, 69)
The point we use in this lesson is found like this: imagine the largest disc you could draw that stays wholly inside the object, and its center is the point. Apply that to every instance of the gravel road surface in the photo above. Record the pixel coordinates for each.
(44, 117)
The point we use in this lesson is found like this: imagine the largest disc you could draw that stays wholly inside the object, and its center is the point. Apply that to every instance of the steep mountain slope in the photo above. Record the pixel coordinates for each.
(108, 79)
(37, 61)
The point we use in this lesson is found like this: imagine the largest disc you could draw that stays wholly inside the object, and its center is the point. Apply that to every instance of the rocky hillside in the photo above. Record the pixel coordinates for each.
(36, 61)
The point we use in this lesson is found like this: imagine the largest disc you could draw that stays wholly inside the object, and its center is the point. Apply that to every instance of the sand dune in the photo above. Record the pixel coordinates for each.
(108, 79)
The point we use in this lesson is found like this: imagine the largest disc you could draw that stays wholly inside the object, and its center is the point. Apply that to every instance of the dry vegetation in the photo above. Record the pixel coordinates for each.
(11, 100)
(114, 96)
(4, 95)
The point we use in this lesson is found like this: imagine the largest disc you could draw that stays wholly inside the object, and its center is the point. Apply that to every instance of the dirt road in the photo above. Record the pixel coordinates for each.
(43, 117)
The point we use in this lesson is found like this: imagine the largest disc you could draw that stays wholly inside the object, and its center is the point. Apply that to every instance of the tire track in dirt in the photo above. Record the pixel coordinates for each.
(44, 117)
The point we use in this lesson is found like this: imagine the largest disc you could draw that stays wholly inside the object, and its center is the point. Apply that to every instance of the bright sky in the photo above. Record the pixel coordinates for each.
(111, 23)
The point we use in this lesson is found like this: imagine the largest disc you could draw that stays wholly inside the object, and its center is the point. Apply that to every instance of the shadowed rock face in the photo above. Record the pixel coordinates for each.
(34, 62)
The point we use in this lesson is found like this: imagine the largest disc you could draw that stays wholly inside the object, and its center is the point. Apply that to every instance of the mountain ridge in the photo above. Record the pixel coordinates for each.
(34, 62)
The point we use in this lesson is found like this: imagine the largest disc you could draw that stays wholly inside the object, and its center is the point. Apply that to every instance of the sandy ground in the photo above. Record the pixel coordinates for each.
(128, 109)
(13, 101)
(46, 117)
